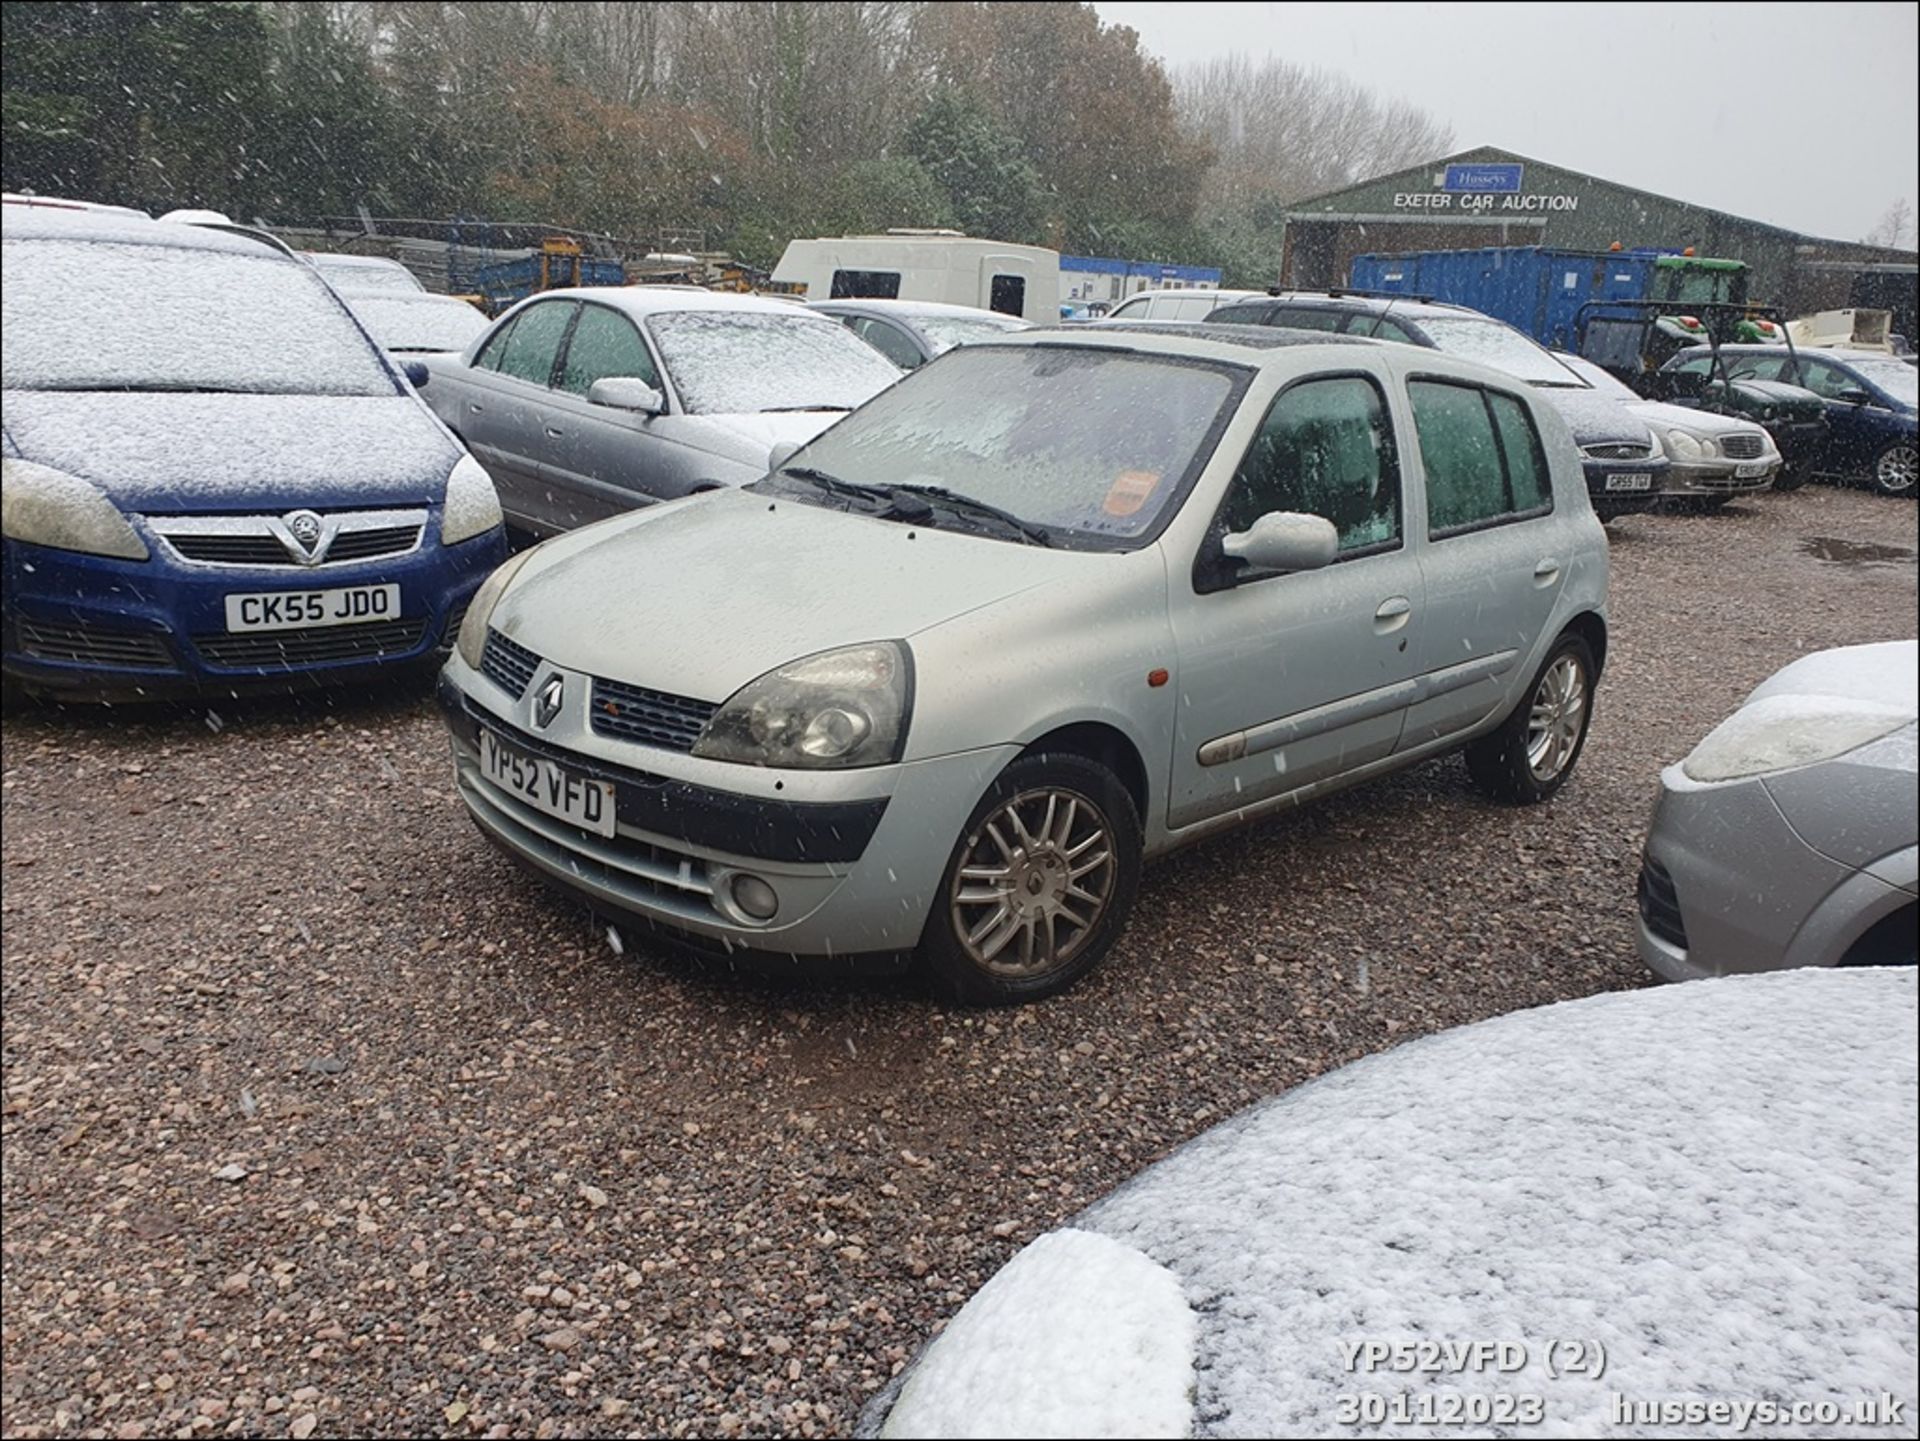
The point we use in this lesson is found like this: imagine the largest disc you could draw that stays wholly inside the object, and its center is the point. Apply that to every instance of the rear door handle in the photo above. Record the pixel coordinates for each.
(552, 434)
(473, 407)
(1547, 569)
(1392, 614)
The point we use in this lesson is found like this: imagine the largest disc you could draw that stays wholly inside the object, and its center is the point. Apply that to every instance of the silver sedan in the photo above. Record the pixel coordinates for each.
(586, 403)
(1787, 837)
(1052, 605)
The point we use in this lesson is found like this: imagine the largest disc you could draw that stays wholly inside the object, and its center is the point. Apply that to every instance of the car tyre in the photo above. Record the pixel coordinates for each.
(1039, 884)
(1535, 748)
(1789, 477)
(1894, 469)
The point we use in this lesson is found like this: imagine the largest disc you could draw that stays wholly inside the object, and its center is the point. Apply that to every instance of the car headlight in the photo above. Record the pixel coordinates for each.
(1682, 445)
(835, 710)
(473, 506)
(473, 630)
(44, 506)
(1780, 732)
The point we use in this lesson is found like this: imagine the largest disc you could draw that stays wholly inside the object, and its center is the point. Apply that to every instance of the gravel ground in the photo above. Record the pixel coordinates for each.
(321, 1120)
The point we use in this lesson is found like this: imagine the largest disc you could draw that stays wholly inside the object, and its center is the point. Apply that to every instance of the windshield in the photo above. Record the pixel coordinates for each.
(1599, 379)
(735, 363)
(102, 315)
(418, 323)
(1089, 442)
(1497, 345)
(1895, 377)
(359, 274)
(943, 332)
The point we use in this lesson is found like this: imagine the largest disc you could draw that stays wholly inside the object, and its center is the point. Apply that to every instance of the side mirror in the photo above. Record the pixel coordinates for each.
(416, 374)
(625, 392)
(1285, 540)
(1853, 396)
(781, 454)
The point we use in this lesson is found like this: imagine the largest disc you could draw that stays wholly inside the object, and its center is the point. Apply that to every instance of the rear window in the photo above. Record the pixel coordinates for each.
(106, 315)
(400, 322)
(946, 331)
(1497, 345)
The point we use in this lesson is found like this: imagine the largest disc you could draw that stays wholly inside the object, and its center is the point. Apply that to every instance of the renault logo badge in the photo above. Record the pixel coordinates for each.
(546, 701)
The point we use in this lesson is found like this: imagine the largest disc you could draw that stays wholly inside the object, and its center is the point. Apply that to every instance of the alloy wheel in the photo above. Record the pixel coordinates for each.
(1896, 469)
(1554, 723)
(1037, 877)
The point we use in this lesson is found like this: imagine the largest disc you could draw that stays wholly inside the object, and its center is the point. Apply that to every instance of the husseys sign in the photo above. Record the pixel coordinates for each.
(1475, 188)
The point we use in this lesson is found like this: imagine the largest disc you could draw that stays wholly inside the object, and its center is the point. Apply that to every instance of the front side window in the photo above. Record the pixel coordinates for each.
(527, 351)
(605, 344)
(1482, 456)
(1826, 379)
(1094, 444)
(1755, 367)
(1326, 448)
(889, 340)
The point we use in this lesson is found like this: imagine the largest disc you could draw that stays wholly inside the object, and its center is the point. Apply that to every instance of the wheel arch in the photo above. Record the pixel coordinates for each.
(1107, 744)
(1592, 629)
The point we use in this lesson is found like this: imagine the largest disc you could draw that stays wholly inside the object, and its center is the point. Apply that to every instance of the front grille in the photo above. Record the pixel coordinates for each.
(94, 645)
(634, 713)
(231, 549)
(1743, 446)
(1613, 450)
(1660, 904)
(352, 545)
(316, 646)
(507, 665)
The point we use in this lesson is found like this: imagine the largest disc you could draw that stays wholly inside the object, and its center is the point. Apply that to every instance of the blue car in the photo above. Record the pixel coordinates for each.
(213, 479)
(1870, 397)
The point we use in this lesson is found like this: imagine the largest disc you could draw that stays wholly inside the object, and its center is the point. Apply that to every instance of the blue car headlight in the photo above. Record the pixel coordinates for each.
(44, 506)
(473, 506)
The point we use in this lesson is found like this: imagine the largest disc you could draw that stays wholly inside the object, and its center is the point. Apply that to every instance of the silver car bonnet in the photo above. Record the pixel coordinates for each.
(745, 439)
(699, 597)
(1700, 422)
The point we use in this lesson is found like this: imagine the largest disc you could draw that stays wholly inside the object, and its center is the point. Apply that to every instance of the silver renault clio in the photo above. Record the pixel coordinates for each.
(1051, 606)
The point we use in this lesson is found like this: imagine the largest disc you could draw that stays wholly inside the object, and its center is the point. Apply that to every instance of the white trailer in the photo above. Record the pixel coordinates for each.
(938, 265)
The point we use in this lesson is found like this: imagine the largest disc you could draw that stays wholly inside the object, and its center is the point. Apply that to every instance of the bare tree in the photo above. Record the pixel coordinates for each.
(1894, 229)
(1282, 131)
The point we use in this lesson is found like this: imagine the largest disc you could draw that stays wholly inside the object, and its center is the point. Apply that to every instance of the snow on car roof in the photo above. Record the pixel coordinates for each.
(1715, 1183)
(1244, 337)
(34, 222)
(644, 300)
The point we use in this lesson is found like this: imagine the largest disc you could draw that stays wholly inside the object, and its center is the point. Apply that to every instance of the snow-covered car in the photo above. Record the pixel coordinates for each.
(1787, 837)
(1056, 604)
(212, 478)
(1714, 457)
(912, 332)
(1687, 1210)
(583, 404)
(364, 272)
(414, 326)
(1191, 304)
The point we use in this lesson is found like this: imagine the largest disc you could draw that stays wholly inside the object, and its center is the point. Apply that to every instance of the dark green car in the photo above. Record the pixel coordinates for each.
(1794, 417)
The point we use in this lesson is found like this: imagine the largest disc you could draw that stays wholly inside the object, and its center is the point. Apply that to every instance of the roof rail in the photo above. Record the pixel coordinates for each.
(1342, 292)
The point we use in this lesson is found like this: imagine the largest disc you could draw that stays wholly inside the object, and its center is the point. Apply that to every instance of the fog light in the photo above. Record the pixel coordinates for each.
(755, 897)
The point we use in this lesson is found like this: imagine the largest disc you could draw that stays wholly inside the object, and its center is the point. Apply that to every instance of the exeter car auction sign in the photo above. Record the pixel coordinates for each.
(1482, 178)
(1478, 189)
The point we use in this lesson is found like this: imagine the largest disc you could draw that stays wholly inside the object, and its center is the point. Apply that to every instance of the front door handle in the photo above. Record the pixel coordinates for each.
(473, 407)
(1547, 570)
(1392, 614)
(552, 434)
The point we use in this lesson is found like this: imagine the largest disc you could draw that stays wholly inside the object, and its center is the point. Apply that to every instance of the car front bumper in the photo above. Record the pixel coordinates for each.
(855, 857)
(93, 627)
(1726, 884)
(1695, 478)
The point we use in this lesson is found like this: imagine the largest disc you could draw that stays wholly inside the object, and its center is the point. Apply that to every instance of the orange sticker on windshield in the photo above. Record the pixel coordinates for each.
(1130, 491)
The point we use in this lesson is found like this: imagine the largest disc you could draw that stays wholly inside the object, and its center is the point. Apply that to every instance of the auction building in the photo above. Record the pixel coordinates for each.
(1488, 197)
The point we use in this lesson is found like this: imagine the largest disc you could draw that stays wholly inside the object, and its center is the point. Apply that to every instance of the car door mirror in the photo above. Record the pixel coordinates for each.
(416, 374)
(1852, 395)
(1285, 540)
(626, 392)
(778, 457)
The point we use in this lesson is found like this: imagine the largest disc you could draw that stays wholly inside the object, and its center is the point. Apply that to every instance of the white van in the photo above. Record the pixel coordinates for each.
(937, 265)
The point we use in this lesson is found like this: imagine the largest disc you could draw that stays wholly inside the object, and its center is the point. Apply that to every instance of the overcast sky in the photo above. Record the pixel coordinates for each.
(1671, 98)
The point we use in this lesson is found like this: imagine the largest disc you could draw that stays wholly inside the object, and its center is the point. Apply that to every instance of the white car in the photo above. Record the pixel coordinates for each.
(1192, 305)
(1670, 1212)
(364, 272)
(413, 326)
(1715, 457)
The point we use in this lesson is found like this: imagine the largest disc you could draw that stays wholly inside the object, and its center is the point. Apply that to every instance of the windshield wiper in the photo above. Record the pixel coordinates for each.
(967, 505)
(795, 409)
(834, 485)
